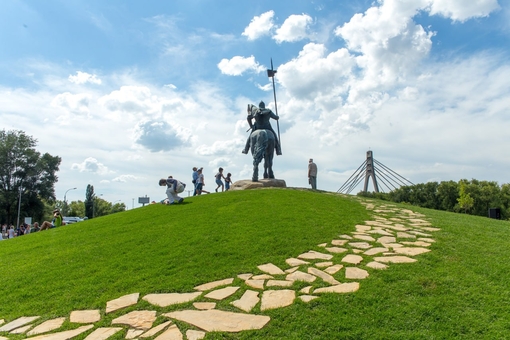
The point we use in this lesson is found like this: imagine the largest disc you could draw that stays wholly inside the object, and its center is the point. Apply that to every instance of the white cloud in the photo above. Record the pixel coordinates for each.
(158, 136)
(126, 178)
(259, 26)
(84, 77)
(294, 28)
(238, 65)
(75, 103)
(461, 10)
(132, 99)
(91, 165)
(220, 147)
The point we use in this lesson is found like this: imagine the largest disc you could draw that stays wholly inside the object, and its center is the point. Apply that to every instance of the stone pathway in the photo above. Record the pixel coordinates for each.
(337, 267)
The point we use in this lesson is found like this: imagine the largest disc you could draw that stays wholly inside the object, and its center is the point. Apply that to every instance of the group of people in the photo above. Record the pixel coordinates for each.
(24, 229)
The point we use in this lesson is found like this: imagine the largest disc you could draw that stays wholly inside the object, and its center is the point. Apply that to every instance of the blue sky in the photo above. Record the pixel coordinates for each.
(127, 92)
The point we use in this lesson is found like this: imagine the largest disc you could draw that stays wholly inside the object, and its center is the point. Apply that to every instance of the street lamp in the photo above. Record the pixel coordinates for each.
(65, 201)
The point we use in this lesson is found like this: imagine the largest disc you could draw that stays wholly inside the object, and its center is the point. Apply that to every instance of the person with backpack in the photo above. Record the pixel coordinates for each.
(174, 187)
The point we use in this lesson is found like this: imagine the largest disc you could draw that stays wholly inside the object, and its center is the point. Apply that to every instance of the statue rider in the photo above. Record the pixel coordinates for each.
(262, 117)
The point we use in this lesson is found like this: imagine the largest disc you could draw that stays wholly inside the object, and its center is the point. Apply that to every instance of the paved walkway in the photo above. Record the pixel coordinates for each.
(336, 267)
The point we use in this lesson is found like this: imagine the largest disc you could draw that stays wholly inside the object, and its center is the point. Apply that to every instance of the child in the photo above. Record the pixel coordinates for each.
(174, 187)
(228, 181)
(218, 177)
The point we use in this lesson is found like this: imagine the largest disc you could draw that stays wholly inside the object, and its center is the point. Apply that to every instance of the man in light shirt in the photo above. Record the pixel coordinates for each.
(312, 174)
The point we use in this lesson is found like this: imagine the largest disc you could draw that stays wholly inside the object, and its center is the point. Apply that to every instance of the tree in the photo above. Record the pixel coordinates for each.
(465, 200)
(25, 172)
(77, 209)
(89, 201)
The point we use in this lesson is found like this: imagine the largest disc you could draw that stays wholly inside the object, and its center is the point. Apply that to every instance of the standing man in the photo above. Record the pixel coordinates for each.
(194, 180)
(312, 174)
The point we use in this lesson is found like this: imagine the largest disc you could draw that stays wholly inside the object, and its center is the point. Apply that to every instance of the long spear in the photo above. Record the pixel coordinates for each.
(270, 74)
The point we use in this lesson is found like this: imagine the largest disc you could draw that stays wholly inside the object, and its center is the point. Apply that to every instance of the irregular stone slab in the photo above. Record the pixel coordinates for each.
(85, 316)
(204, 305)
(295, 262)
(3, 337)
(257, 284)
(315, 255)
(140, 319)
(122, 302)
(336, 250)
(2, 321)
(412, 251)
(431, 229)
(402, 234)
(291, 270)
(103, 333)
(262, 277)
(350, 287)
(249, 299)
(322, 245)
(333, 269)
(63, 335)
(425, 239)
(395, 259)
(272, 299)
(353, 259)
(397, 227)
(134, 333)
(168, 299)
(271, 269)
(155, 330)
(21, 330)
(347, 237)
(354, 273)
(246, 184)
(380, 232)
(376, 265)
(392, 245)
(324, 276)
(245, 277)
(308, 298)
(364, 238)
(362, 228)
(387, 239)
(47, 326)
(214, 284)
(219, 321)
(360, 245)
(419, 233)
(323, 264)
(339, 242)
(278, 283)
(22, 321)
(417, 244)
(375, 251)
(194, 335)
(222, 293)
(306, 290)
(357, 251)
(172, 333)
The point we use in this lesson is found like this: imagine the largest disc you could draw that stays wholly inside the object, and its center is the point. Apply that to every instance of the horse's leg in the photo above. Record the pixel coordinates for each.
(259, 144)
(270, 155)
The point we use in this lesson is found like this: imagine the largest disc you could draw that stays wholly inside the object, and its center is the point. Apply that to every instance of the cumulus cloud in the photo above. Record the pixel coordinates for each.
(294, 28)
(91, 165)
(132, 99)
(158, 136)
(238, 65)
(126, 178)
(259, 26)
(461, 10)
(75, 103)
(84, 77)
(220, 147)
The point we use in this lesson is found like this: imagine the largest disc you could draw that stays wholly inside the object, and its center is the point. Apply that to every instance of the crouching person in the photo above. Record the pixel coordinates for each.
(174, 187)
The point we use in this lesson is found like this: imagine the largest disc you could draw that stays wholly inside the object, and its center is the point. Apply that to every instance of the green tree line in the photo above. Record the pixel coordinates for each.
(472, 197)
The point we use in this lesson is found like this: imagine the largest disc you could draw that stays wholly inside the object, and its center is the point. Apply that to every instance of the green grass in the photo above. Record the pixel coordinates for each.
(459, 290)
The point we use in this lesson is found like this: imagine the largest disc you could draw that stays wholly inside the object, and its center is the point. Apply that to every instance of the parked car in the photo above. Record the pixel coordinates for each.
(72, 219)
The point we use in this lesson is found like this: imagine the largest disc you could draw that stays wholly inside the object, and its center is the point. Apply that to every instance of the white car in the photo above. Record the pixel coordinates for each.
(71, 219)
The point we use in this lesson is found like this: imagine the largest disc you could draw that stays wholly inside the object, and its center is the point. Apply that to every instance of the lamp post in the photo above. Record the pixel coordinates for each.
(65, 201)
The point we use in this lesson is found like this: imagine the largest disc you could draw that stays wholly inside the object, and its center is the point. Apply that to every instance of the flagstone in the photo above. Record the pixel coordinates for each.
(402, 234)
(323, 264)
(272, 299)
(122, 302)
(262, 277)
(322, 245)
(347, 237)
(360, 227)
(420, 233)
(375, 251)
(306, 290)
(63, 335)
(204, 305)
(349, 287)
(257, 284)
(323, 275)
(354, 273)
(155, 330)
(386, 239)
(392, 245)
(141, 319)
(103, 333)
(360, 245)
(397, 227)
(376, 265)
(431, 229)
(249, 299)
(271, 269)
(291, 270)
(364, 238)
(192, 334)
(333, 269)
(134, 333)
(22, 321)
(395, 259)
(357, 251)
(168, 299)
(278, 283)
(172, 333)
(219, 321)
(21, 330)
(417, 243)
(426, 239)
(353, 259)
(301, 276)
(222, 293)
(380, 232)
(2, 321)
(3, 337)
(245, 277)
(47, 326)
(308, 298)
(339, 242)
(411, 251)
(315, 255)
(214, 284)
(417, 220)
(85, 316)
(295, 262)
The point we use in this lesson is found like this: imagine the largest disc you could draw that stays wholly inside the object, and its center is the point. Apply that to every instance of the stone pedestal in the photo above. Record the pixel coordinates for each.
(245, 184)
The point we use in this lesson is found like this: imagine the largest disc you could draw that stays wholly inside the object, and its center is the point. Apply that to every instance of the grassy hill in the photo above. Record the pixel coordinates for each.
(458, 290)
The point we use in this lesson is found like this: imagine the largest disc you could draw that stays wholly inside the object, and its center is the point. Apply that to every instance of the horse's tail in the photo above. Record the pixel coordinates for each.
(260, 146)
